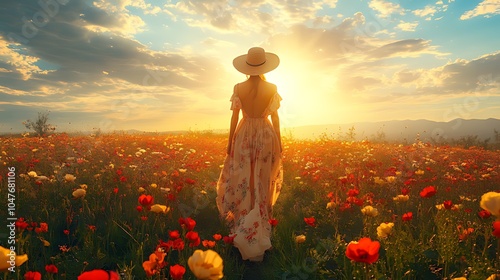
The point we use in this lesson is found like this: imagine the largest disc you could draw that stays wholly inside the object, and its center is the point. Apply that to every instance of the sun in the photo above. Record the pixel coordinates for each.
(308, 94)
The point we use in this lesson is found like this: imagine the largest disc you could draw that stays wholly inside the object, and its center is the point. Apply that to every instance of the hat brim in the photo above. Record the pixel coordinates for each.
(240, 63)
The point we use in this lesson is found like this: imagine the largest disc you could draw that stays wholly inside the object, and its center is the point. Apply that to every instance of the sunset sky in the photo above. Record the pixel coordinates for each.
(167, 65)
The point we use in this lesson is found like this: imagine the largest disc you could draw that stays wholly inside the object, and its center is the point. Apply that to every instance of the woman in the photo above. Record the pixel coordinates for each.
(251, 178)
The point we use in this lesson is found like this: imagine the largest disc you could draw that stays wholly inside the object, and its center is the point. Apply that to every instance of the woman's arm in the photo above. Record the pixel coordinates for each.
(276, 124)
(234, 121)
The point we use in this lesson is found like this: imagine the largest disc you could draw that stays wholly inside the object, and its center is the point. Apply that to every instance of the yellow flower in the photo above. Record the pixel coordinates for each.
(153, 185)
(79, 193)
(419, 172)
(84, 186)
(9, 259)
(384, 230)
(300, 239)
(390, 179)
(69, 178)
(159, 208)
(331, 205)
(206, 265)
(32, 174)
(45, 242)
(141, 189)
(378, 181)
(491, 201)
(401, 198)
(369, 211)
(493, 277)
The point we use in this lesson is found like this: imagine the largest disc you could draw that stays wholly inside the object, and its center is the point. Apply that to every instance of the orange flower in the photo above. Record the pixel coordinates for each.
(208, 243)
(217, 237)
(464, 233)
(155, 262)
(365, 250)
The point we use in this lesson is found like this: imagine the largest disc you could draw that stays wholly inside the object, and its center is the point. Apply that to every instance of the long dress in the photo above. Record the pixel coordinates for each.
(251, 180)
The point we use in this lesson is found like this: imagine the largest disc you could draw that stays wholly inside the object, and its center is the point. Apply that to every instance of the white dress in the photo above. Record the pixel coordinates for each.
(251, 180)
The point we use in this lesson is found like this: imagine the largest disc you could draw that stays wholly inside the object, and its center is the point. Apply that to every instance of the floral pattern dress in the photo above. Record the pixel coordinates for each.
(251, 180)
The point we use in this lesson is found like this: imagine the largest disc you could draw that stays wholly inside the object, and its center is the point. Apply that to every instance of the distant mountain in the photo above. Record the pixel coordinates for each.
(403, 130)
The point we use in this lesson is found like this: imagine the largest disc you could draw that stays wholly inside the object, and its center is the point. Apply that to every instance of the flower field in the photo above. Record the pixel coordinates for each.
(143, 207)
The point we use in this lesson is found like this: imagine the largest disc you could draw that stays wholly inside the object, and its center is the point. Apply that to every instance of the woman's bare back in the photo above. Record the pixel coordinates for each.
(255, 96)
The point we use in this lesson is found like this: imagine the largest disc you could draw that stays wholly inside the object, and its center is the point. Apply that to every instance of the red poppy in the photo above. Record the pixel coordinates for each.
(50, 268)
(146, 200)
(190, 181)
(496, 229)
(66, 232)
(99, 274)
(174, 234)
(177, 272)
(115, 190)
(365, 250)
(311, 221)
(428, 192)
(447, 204)
(484, 214)
(353, 192)
(407, 217)
(178, 244)
(138, 208)
(405, 191)
(32, 275)
(193, 238)
(229, 239)
(44, 227)
(188, 223)
(21, 224)
(273, 222)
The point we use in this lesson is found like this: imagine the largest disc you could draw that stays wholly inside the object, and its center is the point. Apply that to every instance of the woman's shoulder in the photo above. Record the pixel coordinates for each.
(271, 87)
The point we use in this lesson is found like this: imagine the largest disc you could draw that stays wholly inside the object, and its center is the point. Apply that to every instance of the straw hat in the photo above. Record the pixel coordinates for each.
(256, 62)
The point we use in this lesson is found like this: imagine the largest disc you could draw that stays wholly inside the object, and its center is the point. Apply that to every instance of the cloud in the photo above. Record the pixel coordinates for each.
(385, 8)
(460, 77)
(405, 48)
(486, 8)
(243, 16)
(407, 26)
(81, 58)
(427, 11)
